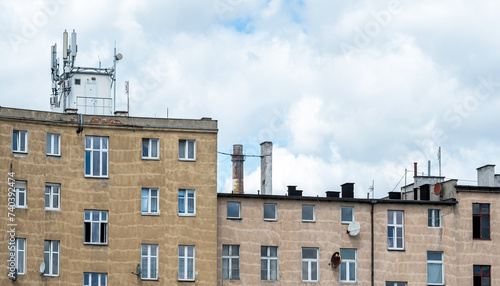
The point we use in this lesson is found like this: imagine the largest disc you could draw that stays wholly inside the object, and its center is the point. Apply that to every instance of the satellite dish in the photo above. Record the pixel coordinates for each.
(137, 270)
(42, 268)
(437, 188)
(336, 259)
(14, 276)
(119, 56)
(353, 228)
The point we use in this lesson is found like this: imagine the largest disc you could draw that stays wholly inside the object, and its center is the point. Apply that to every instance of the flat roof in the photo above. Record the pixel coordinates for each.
(45, 117)
(326, 199)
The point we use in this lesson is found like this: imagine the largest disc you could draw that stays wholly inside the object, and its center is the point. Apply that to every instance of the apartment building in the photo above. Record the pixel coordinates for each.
(107, 200)
(442, 237)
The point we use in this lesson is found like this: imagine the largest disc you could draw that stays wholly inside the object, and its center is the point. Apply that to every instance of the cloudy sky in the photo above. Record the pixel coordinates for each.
(348, 91)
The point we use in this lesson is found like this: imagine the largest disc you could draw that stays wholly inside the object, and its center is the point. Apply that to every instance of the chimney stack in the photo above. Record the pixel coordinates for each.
(266, 168)
(486, 176)
(238, 158)
(414, 169)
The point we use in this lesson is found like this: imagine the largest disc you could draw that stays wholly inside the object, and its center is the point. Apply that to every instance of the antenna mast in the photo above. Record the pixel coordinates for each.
(439, 159)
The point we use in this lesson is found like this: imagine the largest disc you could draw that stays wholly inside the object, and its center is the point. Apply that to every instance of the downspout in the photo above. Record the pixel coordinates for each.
(372, 262)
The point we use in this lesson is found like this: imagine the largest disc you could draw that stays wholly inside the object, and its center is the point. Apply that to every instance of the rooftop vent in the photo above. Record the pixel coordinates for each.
(292, 191)
(347, 190)
(332, 194)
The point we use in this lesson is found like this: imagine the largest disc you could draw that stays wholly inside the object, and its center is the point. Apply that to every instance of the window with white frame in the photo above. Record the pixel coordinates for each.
(395, 230)
(310, 264)
(187, 150)
(308, 213)
(20, 190)
(186, 262)
(346, 214)
(233, 210)
(435, 268)
(95, 279)
(187, 202)
(395, 284)
(268, 263)
(21, 255)
(230, 262)
(149, 201)
(52, 196)
(53, 143)
(96, 156)
(150, 148)
(349, 265)
(20, 141)
(434, 218)
(270, 212)
(149, 261)
(96, 227)
(51, 257)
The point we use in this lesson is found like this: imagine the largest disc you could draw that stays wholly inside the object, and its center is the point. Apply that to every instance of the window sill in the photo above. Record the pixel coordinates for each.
(345, 222)
(187, 160)
(309, 221)
(434, 227)
(186, 215)
(22, 208)
(149, 279)
(53, 155)
(53, 210)
(96, 177)
(181, 280)
(96, 244)
(396, 249)
(51, 275)
(270, 219)
(151, 214)
(234, 218)
(150, 159)
(482, 239)
(19, 154)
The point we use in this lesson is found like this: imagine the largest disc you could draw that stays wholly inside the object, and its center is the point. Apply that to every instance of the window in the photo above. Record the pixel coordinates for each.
(233, 210)
(395, 283)
(230, 262)
(20, 141)
(96, 227)
(268, 263)
(348, 266)
(186, 263)
(20, 189)
(96, 156)
(78, 81)
(187, 150)
(21, 255)
(52, 196)
(308, 213)
(149, 261)
(346, 214)
(53, 143)
(395, 230)
(481, 221)
(149, 201)
(51, 257)
(95, 279)
(310, 269)
(187, 203)
(150, 148)
(435, 268)
(270, 212)
(434, 218)
(482, 275)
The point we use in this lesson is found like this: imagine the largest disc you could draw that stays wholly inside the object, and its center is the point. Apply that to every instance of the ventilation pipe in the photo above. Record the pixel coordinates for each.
(414, 169)
(238, 158)
(266, 168)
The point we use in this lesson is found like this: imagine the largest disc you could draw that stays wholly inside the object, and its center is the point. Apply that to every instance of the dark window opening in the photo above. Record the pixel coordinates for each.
(481, 221)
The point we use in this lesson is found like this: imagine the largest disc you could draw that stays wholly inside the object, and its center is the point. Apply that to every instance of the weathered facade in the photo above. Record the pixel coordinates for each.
(436, 242)
(115, 192)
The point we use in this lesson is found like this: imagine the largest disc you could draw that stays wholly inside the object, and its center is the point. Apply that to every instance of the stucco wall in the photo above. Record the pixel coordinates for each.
(120, 194)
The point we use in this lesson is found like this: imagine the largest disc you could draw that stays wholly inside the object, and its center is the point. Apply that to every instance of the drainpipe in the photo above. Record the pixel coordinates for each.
(373, 242)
